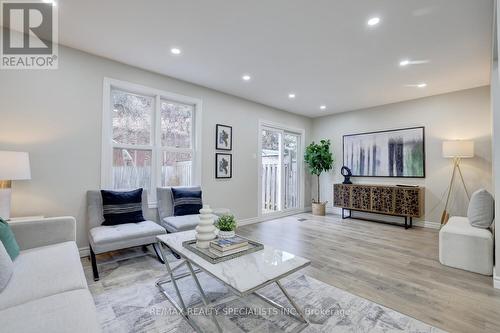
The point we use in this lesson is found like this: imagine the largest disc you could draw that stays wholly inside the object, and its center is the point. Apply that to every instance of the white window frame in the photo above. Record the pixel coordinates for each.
(265, 124)
(155, 145)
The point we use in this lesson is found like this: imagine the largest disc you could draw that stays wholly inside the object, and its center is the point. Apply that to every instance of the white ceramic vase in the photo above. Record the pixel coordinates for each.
(205, 231)
(226, 234)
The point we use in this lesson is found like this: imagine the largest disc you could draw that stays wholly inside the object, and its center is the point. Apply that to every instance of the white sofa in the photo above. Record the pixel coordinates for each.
(47, 291)
(466, 247)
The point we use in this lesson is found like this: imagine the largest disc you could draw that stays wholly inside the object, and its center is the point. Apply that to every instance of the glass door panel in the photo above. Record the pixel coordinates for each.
(290, 171)
(271, 174)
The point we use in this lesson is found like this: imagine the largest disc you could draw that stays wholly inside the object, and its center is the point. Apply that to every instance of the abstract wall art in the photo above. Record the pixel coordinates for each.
(391, 153)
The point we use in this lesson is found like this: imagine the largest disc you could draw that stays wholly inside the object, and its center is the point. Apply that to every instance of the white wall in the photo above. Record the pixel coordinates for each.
(459, 115)
(495, 106)
(55, 115)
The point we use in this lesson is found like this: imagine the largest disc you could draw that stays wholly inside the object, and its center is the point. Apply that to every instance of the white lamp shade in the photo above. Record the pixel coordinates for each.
(458, 148)
(14, 165)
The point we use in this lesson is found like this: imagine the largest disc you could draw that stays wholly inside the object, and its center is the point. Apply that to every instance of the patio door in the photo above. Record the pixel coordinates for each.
(279, 169)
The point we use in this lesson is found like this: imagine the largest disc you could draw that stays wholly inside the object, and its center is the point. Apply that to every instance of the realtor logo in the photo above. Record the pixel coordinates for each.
(29, 35)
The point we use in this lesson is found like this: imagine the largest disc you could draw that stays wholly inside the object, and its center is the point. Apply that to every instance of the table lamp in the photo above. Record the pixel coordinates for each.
(456, 149)
(13, 166)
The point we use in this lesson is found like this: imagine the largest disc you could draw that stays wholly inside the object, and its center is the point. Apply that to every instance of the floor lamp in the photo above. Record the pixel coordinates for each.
(456, 149)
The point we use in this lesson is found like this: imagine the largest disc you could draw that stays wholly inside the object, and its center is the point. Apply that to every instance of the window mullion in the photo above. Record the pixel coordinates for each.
(156, 181)
(177, 150)
(134, 147)
(194, 144)
(106, 142)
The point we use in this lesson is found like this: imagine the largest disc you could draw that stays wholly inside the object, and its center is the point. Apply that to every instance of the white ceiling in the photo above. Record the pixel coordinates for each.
(322, 50)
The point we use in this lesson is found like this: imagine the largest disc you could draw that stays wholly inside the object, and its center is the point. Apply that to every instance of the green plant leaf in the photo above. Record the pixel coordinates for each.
(226, 223)
(318, 158)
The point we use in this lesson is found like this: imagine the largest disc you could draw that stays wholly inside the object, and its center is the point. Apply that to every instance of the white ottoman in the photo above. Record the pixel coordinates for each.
(466, 247)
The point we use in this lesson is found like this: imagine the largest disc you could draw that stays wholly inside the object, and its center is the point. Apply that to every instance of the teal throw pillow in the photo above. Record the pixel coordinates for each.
(8, 239)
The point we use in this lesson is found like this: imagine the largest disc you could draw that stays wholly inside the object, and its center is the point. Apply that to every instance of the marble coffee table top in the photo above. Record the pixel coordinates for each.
(243, 274)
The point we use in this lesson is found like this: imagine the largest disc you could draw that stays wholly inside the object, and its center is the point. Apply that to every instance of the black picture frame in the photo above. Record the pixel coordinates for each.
(385, 131)
(220, 146)
(217, 174)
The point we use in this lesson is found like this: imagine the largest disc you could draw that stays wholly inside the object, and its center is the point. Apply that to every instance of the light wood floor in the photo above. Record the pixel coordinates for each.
(388, 265)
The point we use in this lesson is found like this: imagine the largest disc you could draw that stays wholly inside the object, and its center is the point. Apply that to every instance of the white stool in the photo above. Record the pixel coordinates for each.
(466, 247)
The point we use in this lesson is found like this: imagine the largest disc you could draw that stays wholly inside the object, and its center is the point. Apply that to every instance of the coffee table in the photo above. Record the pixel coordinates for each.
(243, 275)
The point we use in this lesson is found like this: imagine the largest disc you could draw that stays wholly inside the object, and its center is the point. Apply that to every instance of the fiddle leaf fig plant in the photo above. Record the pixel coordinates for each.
(319, 159)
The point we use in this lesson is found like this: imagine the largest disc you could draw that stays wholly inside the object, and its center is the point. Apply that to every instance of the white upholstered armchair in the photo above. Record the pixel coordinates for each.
(179, 223)
(166, 211)
(104, 238)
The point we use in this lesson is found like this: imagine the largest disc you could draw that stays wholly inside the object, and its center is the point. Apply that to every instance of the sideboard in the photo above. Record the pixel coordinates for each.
(404, 201)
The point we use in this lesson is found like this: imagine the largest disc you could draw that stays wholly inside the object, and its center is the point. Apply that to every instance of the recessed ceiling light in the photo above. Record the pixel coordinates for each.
(416, 85)
(246, 77)
(322, 107)
(373, 21)
(175, 51)
(408, 62)
(291, 95)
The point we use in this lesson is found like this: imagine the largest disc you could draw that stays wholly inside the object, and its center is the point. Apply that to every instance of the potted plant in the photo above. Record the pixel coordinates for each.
(226, 225)
(319, 159)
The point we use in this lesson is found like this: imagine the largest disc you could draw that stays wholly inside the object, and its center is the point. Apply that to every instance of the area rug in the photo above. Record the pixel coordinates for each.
(128, 300)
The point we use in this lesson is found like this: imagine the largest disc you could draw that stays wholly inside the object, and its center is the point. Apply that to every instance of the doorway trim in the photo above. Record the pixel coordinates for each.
(300, 163)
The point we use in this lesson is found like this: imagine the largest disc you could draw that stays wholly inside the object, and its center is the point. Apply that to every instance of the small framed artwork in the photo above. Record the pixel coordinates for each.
(223, 137)
(223, 166)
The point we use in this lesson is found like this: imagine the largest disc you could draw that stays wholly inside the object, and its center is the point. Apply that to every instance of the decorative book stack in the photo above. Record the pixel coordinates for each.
(228, 246)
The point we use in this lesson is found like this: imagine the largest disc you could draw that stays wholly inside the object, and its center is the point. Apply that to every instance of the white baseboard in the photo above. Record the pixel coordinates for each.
(496, 279)
(333, 210)
(424, 224)
(272, 216)
(84, 251)
(427, 224)
(251, 220)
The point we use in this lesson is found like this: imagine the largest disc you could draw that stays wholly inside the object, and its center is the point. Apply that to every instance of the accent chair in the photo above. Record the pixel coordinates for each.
(104, 239)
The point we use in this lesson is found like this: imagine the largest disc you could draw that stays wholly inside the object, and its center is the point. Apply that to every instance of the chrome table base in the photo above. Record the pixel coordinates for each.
(183, 310)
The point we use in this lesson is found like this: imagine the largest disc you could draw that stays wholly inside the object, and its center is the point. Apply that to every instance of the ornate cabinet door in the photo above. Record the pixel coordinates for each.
(342, 195)
(382, 199)
(408, 201)
(361, 198)
(337, 195)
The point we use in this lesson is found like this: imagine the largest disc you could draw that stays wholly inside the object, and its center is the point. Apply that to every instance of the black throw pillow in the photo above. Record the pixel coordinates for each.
(186, 201)
(122, 207)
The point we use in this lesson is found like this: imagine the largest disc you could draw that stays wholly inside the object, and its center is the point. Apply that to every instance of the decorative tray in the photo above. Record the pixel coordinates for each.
(214, 258)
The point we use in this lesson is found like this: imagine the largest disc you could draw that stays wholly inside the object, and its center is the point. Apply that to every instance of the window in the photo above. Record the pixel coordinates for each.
(176, 143)
(149, 138)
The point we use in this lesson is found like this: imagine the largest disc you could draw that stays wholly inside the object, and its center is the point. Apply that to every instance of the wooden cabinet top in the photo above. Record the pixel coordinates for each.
(381, 185)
